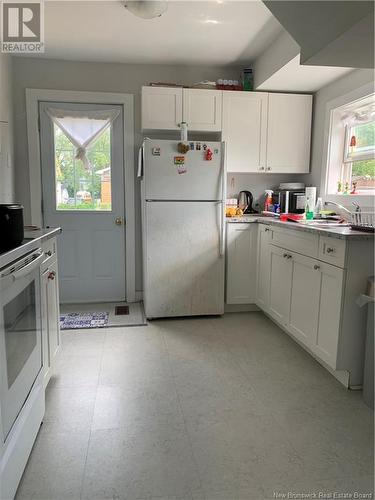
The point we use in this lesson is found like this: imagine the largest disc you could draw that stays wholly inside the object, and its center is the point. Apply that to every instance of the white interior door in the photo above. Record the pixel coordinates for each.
(86, 199)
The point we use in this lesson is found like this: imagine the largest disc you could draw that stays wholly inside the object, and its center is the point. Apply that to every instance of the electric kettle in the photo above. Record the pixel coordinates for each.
(245, 202)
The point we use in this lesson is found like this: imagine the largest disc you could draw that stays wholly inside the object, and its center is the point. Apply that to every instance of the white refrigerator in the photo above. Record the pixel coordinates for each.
(183, 228)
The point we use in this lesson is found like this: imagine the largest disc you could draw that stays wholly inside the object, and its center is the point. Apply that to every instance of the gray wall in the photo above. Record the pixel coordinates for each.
(280, 52)
(7, 187)
(106, 77)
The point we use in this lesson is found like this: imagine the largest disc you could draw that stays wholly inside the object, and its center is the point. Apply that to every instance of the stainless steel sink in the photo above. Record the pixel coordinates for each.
(325, 223)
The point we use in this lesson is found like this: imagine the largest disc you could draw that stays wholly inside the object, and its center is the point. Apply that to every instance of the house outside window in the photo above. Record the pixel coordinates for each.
(351, 154)
(359, 154)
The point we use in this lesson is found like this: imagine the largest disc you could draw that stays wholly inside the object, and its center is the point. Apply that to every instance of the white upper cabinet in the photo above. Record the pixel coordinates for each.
(164, 108)
(5, 92)
(245, 130)
(201, 109)
(161, 108)
(264, 133)
(289, 133)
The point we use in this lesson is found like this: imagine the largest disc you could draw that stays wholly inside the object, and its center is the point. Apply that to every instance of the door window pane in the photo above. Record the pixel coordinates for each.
(79, 187)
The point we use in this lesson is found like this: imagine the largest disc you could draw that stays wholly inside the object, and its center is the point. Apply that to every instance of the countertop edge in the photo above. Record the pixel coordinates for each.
(42, 234)
(32, 241)
(339, 233)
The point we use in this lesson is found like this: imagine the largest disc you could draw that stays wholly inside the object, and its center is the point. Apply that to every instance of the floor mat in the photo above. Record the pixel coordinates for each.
(133, 317)
(77, 320)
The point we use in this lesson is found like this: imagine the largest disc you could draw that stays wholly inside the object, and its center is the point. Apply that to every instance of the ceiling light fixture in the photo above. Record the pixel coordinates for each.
(211, 21)
(146, 9)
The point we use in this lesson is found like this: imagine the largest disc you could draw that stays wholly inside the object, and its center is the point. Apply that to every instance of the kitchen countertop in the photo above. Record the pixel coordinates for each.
(32, 241)
(342, 233)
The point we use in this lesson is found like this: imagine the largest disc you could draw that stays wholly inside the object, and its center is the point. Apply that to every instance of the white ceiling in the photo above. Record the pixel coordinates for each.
(294, 77)
(190, 32)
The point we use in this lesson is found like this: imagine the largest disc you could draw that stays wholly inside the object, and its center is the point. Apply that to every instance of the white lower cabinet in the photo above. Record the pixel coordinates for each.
(309, 284)
(263, 267)
(50, 312)
(304, 299)
(241, 263)
(329, 317)
(280, 270)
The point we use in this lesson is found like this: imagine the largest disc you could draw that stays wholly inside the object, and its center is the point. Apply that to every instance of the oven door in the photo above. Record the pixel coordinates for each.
(20, 338)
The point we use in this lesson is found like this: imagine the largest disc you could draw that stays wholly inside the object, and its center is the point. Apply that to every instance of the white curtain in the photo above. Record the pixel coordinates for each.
(358, 116)
(83, 128)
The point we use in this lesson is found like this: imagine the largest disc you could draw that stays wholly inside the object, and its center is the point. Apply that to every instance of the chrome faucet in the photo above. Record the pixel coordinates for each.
(338, 205)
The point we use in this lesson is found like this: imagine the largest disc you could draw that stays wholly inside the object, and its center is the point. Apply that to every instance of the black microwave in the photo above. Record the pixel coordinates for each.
(290, 201)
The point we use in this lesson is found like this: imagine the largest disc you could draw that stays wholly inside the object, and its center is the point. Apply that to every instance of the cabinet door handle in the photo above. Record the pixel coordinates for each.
(49, 253)
(268, 169)
(330, 250)
(51, 275)
(285, 255)
(267, 229)
(261, 168)
(289, 256)
(316, 267)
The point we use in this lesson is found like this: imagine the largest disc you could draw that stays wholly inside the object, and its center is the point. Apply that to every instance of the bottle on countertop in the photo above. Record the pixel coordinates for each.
(318, 207)
(268, 202)
(309, 210)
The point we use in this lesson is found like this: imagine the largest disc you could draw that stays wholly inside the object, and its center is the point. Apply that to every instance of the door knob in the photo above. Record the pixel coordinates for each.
(118, 221)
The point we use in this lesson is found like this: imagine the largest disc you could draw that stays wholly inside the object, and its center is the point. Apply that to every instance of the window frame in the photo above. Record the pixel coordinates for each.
(333, 147)
(348, 160)
(362, 156)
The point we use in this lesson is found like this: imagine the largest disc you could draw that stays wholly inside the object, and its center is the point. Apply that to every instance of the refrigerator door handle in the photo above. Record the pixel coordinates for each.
(141, 159)
(222, 230)
(222, 204)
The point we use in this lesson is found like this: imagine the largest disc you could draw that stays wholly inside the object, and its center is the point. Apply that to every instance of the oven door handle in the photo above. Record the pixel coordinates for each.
(28, 269)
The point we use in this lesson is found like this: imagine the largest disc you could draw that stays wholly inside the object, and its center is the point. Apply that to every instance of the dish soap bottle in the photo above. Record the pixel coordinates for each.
(309, 210)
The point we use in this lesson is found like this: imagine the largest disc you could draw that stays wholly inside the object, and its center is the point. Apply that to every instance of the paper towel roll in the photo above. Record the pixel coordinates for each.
(311, 196)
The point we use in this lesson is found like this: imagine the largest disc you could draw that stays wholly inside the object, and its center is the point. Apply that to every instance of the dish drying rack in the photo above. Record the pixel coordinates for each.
(363, 221)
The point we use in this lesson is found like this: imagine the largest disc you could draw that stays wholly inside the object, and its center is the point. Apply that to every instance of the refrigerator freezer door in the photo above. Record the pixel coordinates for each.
(197, 179)
(184, 271)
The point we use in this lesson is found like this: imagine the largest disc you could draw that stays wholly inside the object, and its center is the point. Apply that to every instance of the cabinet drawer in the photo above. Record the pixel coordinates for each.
(297, 241)
(49, 250)
(332, 250)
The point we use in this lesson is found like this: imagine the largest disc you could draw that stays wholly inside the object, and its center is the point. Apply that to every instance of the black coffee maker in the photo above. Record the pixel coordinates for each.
(245, 202)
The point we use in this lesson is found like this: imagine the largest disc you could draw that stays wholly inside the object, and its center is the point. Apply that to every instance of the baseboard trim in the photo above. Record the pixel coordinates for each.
(232, 308)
